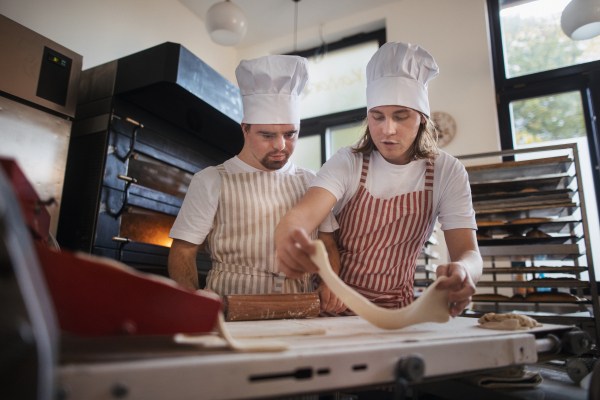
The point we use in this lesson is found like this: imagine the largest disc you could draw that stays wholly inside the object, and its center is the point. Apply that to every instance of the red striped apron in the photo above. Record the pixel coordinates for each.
(379, 241)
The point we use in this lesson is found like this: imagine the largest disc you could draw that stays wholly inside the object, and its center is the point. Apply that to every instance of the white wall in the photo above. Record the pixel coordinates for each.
(455, 32)
(103, 31)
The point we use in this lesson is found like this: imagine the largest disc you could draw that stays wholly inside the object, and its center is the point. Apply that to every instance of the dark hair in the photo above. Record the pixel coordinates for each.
(424, 146)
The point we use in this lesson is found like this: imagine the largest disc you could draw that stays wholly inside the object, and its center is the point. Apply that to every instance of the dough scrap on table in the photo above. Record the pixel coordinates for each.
(225, 338)
(431, 306)
(507, 322)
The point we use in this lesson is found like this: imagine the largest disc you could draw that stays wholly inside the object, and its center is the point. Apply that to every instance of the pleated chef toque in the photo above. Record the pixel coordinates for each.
(271, 87)
(397, 75)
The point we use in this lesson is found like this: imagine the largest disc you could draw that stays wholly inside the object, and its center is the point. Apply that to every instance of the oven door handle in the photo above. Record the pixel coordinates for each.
(122, 242)
(133, 138)
(129, 180)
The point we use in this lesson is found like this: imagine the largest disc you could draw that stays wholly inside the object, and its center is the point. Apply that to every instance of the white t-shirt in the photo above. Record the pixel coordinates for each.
(199, 208)
(451, 191)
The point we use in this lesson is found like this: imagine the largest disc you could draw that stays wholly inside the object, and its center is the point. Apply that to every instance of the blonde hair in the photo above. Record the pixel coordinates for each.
(424, 146)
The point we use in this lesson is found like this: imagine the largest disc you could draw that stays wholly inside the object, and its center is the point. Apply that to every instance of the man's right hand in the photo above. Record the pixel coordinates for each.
(293, 253)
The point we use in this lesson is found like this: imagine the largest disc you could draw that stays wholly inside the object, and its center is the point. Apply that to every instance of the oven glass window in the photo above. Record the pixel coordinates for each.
(157, 175)
(147, 226)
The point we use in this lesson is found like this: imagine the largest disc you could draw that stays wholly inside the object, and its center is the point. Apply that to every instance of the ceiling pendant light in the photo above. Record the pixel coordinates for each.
(226, 23)
(296, 24)
(581, 19)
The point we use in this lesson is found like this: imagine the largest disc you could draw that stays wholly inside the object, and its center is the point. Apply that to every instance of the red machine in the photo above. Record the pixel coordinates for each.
(98, 297)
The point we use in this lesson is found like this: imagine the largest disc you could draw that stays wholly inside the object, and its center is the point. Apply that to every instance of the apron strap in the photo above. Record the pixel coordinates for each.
(429, 168)
(365, 169)
(221, 169)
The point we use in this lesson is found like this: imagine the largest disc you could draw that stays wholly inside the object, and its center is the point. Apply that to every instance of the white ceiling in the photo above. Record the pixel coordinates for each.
(273, 18)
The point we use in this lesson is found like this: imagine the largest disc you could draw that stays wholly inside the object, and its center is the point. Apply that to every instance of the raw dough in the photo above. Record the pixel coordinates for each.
(431, 306)
(225, 338)
(275, 333)
(507, 322)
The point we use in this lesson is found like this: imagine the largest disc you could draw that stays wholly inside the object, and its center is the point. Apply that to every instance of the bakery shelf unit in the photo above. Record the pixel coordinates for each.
(533, 235)
(425, 272)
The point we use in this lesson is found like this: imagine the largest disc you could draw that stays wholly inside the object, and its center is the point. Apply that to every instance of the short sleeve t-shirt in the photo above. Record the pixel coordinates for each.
(199, 208)
(452, 204)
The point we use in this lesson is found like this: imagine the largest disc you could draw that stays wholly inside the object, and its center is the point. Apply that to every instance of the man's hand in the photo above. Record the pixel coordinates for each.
(329, 301)
(460, 284)
(293, 253)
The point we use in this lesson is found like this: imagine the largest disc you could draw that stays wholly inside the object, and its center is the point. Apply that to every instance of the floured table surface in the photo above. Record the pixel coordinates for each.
(298, 334)
(324, 354)
(351, 331)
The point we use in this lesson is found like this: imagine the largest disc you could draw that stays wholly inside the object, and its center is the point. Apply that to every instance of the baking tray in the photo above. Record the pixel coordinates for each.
(535, 270)
(550, 283)
(517, 195)
(565, 225)
(541, 183)
(520, 302)
(542, 211)
(428, 253)
(536, 198)
(536, 251)
(526, 240)
(519, 169)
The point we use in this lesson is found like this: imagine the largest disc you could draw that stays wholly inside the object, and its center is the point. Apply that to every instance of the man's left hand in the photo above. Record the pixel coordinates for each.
(329, 301)
(460, 284)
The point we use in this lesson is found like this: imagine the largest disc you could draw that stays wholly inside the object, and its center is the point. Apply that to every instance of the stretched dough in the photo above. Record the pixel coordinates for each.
(225, 338)
(431, 306)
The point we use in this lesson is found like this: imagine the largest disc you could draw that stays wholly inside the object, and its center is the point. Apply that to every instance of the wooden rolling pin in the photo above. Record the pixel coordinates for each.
(250, 307)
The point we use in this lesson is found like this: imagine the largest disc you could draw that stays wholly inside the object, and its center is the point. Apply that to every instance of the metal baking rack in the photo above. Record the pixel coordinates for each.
(513, 198)
(425, 272)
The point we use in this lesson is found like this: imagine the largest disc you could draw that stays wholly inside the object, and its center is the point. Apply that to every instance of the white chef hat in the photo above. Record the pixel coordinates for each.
(271, 87)
(398, 74)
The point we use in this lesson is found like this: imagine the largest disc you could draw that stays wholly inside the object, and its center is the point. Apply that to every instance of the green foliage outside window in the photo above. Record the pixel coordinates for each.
(534, 44)
(543, 119)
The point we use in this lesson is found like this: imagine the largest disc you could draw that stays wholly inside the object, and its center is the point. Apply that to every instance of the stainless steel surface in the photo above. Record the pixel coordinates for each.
(534, 270)
(519, 172)
(548, 344)
(22, 53)
(39, 142)
(541, 250)
(27, 310)
(543, 284)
